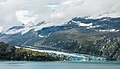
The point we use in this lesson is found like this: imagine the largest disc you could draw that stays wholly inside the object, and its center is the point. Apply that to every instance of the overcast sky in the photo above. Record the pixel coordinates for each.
(17, 12)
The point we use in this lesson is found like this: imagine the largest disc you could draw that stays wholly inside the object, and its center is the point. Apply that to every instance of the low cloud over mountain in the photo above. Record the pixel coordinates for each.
(56, 11)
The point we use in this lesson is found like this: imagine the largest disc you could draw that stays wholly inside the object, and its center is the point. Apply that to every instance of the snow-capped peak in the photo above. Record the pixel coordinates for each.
(17, 29)
(24, 29)
(44, 28)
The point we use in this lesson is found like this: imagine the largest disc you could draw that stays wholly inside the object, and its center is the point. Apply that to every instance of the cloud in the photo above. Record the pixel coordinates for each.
(57, 11)
(54, 5)
(1, 29)
(56, 15)
(26, 16)
(2, 2)
(92, 8)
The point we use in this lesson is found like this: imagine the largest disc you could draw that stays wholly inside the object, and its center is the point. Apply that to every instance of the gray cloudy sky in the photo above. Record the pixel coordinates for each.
(17, 12)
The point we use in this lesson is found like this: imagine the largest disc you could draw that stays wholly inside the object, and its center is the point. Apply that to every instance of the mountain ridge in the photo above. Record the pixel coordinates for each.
(97, 37)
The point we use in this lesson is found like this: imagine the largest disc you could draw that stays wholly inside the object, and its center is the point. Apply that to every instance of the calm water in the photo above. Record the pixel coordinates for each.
(58, 65)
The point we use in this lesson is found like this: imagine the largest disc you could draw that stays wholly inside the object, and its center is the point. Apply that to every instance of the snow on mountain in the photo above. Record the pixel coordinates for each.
(18, 29)
(82, 24)
(101, 24)
(47, 24)
(24, 29)
(90, 27)
(41, 36)
(110, 30)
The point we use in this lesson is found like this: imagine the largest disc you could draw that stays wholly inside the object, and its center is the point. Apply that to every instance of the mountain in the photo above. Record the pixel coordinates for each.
(97, 37)
(92, 43)
(105, 23)
(18, 35)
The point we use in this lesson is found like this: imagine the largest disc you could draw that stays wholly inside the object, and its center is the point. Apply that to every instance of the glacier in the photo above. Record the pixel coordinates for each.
(70, 56)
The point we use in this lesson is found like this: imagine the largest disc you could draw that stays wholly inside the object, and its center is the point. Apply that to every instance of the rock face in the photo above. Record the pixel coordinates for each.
(11, 53)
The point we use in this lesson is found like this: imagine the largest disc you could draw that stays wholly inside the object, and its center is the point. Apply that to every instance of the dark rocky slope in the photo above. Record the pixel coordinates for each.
(104, 44)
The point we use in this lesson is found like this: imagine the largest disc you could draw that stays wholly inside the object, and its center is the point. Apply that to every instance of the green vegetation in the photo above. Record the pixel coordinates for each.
(11, 53)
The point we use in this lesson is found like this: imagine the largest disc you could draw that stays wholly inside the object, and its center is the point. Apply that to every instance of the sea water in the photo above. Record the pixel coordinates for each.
(58, 65)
